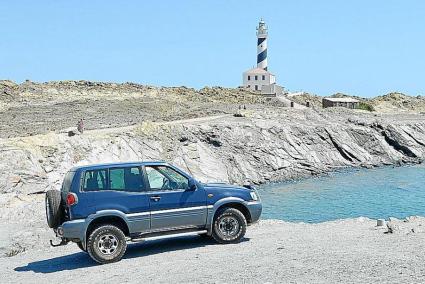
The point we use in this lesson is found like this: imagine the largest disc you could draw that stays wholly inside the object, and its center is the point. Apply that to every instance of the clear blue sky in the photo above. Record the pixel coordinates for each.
(360, 47)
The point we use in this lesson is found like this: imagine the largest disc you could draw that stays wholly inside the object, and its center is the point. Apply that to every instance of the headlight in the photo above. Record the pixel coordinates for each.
(254, 195)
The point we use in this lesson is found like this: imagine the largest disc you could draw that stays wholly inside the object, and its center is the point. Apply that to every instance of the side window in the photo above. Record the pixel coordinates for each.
(94, 180)
(155, 178)
(181, 182)
(165, 178)
(116, 179)
(125, 179)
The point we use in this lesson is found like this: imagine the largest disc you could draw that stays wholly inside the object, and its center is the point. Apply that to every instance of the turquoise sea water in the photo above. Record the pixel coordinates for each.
(375, 193)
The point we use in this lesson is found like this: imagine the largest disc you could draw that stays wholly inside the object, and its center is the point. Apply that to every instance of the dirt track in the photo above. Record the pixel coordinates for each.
(349, 251)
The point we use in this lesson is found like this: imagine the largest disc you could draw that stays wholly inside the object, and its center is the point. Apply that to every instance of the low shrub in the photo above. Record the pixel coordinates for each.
(366, 106)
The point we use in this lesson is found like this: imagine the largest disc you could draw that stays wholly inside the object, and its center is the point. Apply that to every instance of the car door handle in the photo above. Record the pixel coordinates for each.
(155, 198)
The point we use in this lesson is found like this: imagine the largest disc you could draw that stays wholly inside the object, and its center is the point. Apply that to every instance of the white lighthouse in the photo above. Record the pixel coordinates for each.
(259, 78)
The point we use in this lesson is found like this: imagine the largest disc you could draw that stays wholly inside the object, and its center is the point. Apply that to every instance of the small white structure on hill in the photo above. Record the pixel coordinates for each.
(340, 102)
(259, 79)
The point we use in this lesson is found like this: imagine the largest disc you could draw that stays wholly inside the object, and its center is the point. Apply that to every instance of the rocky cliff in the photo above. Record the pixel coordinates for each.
(261, 146)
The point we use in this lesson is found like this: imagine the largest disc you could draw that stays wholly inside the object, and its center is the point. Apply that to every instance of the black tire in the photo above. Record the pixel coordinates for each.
(54, 210)
(106, 244)
(80, 246)
(233, 230)
(205, 236)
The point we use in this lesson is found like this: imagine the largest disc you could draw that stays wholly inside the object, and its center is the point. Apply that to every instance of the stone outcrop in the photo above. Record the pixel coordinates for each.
(232, 135)
(256, 148)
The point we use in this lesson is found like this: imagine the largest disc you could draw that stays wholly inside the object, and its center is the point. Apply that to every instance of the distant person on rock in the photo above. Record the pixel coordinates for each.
(80, 126)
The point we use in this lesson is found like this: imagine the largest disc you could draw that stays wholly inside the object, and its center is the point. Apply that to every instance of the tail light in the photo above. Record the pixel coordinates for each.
(71, 199)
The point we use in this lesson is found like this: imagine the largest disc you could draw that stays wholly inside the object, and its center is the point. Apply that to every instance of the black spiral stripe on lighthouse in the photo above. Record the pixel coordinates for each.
(261, 56)
(260, 40)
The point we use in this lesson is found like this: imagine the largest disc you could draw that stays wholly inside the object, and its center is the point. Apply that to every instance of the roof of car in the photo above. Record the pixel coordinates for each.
(119, 164)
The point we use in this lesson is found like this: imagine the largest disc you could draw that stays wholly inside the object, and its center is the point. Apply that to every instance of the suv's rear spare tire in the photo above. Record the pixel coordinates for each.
(54, 212)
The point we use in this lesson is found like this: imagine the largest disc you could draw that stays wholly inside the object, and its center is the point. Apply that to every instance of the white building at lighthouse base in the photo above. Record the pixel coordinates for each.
(258, 79)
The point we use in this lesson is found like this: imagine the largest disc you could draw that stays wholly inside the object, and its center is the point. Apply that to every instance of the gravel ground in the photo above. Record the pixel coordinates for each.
(346, 251)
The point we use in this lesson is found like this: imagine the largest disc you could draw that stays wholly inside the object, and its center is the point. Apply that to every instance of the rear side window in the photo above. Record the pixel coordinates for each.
(95, 180)
(117, 179)
(126, 179)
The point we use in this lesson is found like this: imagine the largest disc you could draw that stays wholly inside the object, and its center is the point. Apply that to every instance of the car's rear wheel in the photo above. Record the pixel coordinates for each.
(106, 244)
(229, 226)
(54, 210)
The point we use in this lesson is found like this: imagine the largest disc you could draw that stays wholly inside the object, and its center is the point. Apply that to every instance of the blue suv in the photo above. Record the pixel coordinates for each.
(102, 207)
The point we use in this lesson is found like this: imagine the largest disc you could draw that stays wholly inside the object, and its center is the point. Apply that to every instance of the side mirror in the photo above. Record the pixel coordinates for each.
(192, 185)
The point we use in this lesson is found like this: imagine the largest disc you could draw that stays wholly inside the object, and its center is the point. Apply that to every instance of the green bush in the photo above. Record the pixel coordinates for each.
(366, 106)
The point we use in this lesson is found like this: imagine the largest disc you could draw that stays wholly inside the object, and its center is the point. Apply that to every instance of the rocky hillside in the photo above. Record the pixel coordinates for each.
(389, 103)
(228, 135)
(258, 147)
(35, 108)
(38, 108)
(398, 102)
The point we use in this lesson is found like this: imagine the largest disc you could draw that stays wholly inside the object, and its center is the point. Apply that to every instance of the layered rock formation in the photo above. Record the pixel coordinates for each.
(255, 148)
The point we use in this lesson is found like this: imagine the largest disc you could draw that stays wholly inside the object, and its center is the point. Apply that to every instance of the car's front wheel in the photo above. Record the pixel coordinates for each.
(229, 226)
(106, 244)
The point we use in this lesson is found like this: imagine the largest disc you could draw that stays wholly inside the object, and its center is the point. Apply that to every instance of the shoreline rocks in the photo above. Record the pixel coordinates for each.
(257, 149)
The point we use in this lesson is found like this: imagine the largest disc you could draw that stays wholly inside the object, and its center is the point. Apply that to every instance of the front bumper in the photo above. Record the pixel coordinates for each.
(255, 208)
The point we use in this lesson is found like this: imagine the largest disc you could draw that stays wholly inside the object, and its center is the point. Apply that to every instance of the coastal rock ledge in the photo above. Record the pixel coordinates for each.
(261, 146)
